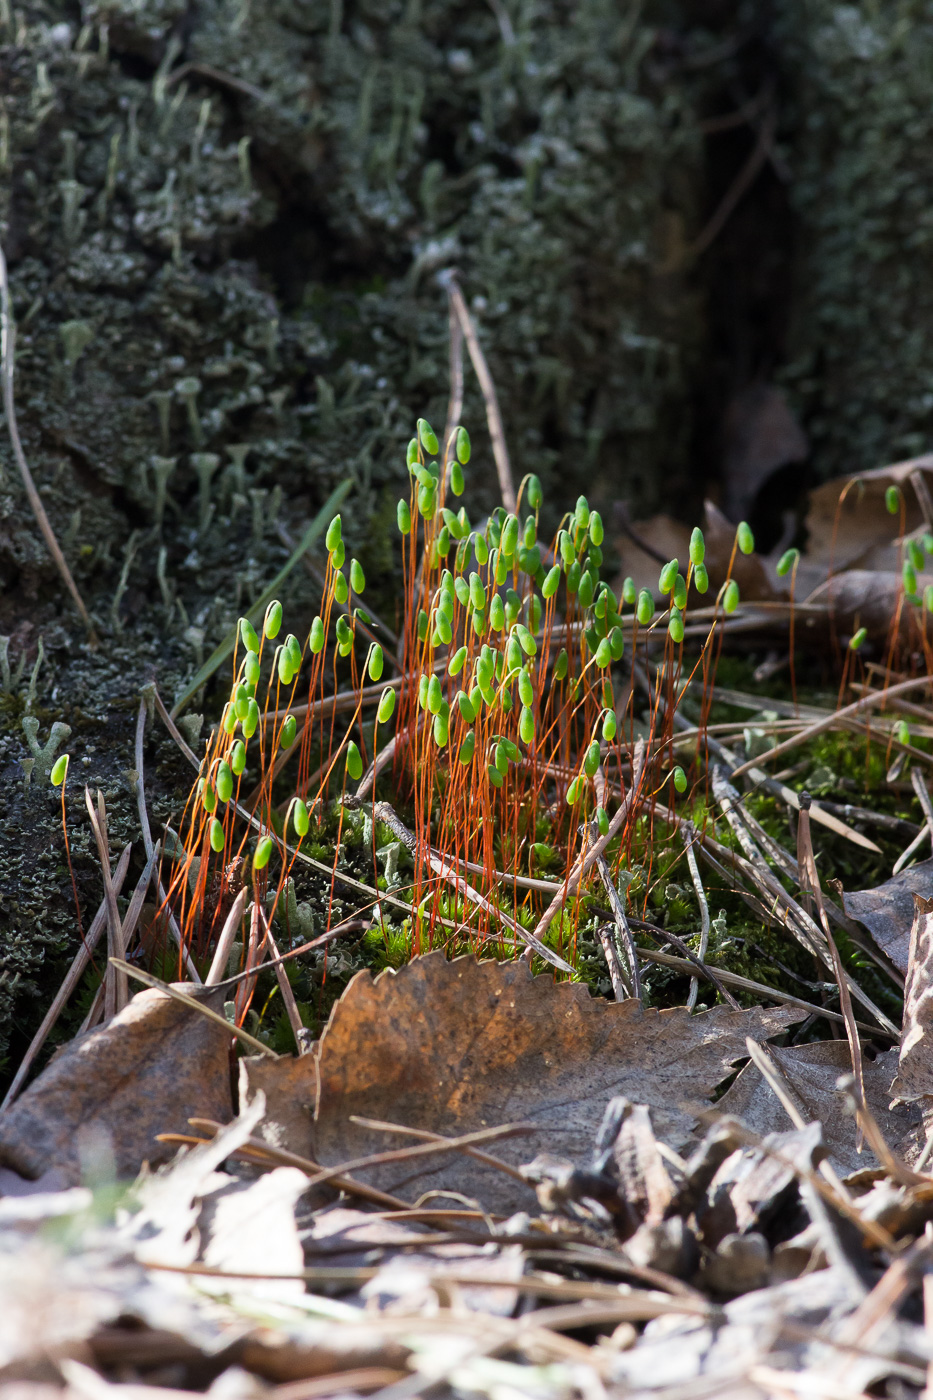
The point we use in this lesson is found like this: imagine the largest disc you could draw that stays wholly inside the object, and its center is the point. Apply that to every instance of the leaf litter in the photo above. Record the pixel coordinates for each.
(627, 1236)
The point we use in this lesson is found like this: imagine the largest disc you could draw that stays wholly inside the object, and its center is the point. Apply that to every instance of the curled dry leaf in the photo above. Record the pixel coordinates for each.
(888, 911)
(810, 1073)
(452, 1047)
(914, 1078)
(151, 1068)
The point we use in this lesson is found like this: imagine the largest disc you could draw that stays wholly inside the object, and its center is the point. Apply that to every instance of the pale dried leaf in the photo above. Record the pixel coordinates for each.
(888, 910)
(811, 1073)
(151, 1068)
(914, 1078)
(248, 1227)
(452, 1047)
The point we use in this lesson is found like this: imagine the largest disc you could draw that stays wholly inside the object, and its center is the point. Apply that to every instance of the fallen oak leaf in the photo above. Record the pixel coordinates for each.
(147, 1071)
(454, 1047)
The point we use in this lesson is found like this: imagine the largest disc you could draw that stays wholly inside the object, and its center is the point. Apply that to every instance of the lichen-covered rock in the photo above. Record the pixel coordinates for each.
(860, 91)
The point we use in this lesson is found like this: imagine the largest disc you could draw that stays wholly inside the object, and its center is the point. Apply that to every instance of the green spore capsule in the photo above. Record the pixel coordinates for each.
(668, 576)
(928, 597)
(730, 597)
(675, 626)
(513, 655)
(680, 779)
(629, 594)
(339, 587)
(457, 483)
(289, 730)
(617, 643)
(238, 758)
(403, 517)
(376, 663)
(594, 556)
(526, 691)
(338, 555)
(477, 591)
(451, 521)
(284, 667)
(251, 668)
(423, 692)
(902, 732)
(422, 625)
(529, 532)
(509, 541)
(533, 493)
(567, 552)
(551, 581)
(316, 636)
(892, 500)
(496, 613)
(601, 606)
(300, 818)
(443, 633)
(700, 578)
(435, 695)
(858, 638)
(251, 722)
(354, 762)
(529, 560)
(465, 705)
(241, 700)
(585, 590)
(680, 592)
(357, 576)
(481, 549)
(428, 437)
(224, 782)
(228, 721)
(582, 512)
(457, 662)
(592, 759)
(527, 642)
(248, 635)
(293, 647)
(927, 543)
(463, 447)
(574, 575)
(208, 798)
(645, 609)
(442, 545)
(342, 629)
(334, 533)
(411, 453)
(575, 791)
(697, 547)
(462, 590)
(386, 706)
(427, 501)
(59, 770)
(216, 836)
(610, 726)
(909, 575)
(513, 606)
(915, 554)
(441, 731)
(596, 528)
(535, 612)
(602, 821)
(608, 697)
(263, 852)
(467, 748)
(744, 537)
(273, 620)
(512, 752)
(561, 665)
(501, 758)
(603, 654)
(494, 776)
(526, 726)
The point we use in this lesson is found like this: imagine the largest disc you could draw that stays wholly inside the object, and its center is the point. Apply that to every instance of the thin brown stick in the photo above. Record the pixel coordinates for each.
(624, 937)
(225, 942)
(496, 1162)
(148, 980)
(7, 360)
(867, 702)
(426, 1149)
(72, 977)
(299, 1030)
(493, 415)
(116, 992)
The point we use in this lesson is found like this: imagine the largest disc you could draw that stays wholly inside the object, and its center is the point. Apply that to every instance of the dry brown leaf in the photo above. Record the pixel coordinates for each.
(914, 1078)
(868, 598)
(151, 1068)
(888, 911)
(811, 1072)
(452, 1047)
(859, 533)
